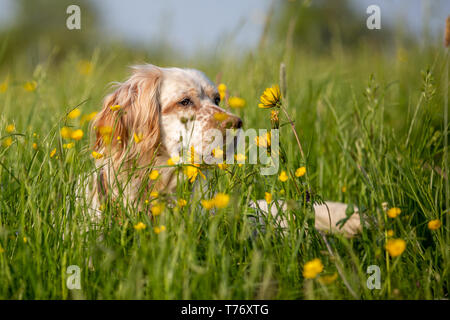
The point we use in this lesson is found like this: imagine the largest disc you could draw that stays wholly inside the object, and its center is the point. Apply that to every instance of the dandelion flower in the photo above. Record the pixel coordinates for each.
(221, 200)
(312, 268)
(207, 204)
(77, 134)
(182, 203)
(394, 212)
(222, 88)
(66, 133)
(157, 208)
(154, 175)
(96, 155)
(395, 247)
(300, 172)
(7, 142)
(270, 97)
(274, 116)
(263, 141)
(192, 171)
(138, 137)
(434, 224)
(52, 153)
(268, 197)
(220, 116)
(283, 176)
(10, 128)
(75, 113)
(236, 102)
(116, 107)
(140, 226)
(30, 86)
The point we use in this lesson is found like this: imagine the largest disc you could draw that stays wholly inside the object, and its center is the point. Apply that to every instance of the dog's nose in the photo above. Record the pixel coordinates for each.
(238, 123)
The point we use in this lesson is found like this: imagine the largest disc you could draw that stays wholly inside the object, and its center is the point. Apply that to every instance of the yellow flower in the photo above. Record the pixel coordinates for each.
(182, 203)
(191, 171)
(88, 117)
(96, 155)
(220, 116)
(222, 88)
(116, 107)
(312, 268)
(154, 194)
(66, 133)
(52, 153)
(390, 233)
(217, 153)
(344, 189)
(158, 230)
(274, 116)
(236, 102)
(157, 208)
(395, 247)
(25, 239)
(434, 224)
(7, 142)
(68, 145)
(268, 197)
(75, 113)
(154, 175)
(207, 204)
(30, 86)
(173, 161)
(4, 85)
(35, 146)
(140, 226)
(394, 212)
(221, 200)
(85, 67)
(283, 176)
(300, 172)
(105, 130)
(10, 128)
(270, 97)
(263, 141)
(222, 166)
(77, 134)
(1, 249)
(240, 158)
(138, 137)
(328, 279)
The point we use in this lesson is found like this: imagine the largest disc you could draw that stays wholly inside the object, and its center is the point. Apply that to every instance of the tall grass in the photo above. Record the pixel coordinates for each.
(371, 130)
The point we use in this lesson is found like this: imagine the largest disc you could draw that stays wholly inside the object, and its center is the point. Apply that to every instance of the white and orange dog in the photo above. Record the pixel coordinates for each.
(141, 124)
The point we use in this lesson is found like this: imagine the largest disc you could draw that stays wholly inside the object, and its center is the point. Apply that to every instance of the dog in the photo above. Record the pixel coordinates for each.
(141, 123)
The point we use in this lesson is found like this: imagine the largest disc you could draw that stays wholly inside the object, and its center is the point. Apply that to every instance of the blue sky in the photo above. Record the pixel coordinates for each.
(190, 25)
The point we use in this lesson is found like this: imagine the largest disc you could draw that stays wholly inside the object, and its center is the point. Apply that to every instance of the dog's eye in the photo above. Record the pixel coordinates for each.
(186, 102)
(217, 100)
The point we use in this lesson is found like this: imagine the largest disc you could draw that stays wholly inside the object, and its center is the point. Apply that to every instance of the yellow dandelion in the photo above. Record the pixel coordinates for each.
(222, 88)
(75, 113)
(263, 141)
(283, 177)
(115, 107)
(96, 155)
(52, 153)
(236, 102)
(274, 116)
(270, 97)
(312, 268)
(300, 172)
(395, 247)
(220, 116)
(154, 194)
(35, 146)
(140, 226)
(221, 200)
(138, 137)
(66, 133)
(394, 212)
(30, 86)
(207, 204)
(173, 161)
(10, 128)
(154, 175)
(268, 197)
(182, 203)
(7, 142)
(77, 134)
(157, 208)
(434, 224)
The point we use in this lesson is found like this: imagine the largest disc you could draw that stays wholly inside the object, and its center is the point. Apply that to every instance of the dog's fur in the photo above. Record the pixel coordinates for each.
(153, 108)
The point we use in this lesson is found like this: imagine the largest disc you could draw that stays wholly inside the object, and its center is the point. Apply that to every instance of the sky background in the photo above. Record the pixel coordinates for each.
(198, 24)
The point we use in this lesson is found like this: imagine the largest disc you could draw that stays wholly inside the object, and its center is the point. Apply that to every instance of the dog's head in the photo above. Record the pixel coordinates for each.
(160, 108)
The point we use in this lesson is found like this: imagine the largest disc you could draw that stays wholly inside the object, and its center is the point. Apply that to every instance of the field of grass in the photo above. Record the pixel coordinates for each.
(371, 127)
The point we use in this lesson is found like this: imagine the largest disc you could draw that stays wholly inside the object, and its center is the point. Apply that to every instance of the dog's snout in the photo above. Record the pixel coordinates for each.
(232, 123)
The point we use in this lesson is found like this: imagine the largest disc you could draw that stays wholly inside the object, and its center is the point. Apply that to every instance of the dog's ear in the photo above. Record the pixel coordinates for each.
(129, 120)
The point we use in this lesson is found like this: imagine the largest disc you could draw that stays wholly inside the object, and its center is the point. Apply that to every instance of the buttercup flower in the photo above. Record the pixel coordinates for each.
(268, 197)
(52, 153)
(395, 247)
(75, 113)
(434, 224)
(222, 88)
(263, 141)
(182, 203)
(222, 166)
(300, 172)
(192, 171)
(140, 226)
(7, 142)
(221, 200)
(173, 161)
(138, 137)
(270, 97)
(207, 204)
(77, 134)
(66, 133)
(35, 146)
(96, 155)
(30, 86)
(217, 153)
(154, 175)
(283, 176)
(394, 212)
(68, 145)
(312, 268)
(115, 107)
(88, 117)
(157, 208)
(10, 128)
(344, 189)
(158, 230)
(390, 233)
(236, 102)
(154, 194)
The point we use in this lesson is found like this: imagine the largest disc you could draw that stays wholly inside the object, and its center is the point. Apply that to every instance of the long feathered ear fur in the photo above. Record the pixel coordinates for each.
(131, 131)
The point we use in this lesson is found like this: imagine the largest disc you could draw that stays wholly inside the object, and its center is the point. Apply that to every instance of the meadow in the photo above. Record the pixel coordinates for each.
(371, 127)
